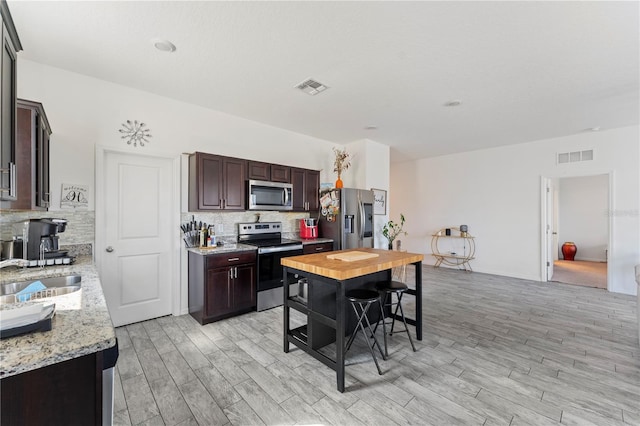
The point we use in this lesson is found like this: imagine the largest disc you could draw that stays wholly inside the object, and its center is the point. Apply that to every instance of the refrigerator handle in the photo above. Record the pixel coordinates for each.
(361, 224)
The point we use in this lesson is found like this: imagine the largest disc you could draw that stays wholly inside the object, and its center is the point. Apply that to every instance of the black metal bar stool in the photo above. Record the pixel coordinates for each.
(388, 289)
(361, 300)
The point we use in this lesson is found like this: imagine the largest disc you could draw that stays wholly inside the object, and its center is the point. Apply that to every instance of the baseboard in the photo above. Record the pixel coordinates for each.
(588, 259)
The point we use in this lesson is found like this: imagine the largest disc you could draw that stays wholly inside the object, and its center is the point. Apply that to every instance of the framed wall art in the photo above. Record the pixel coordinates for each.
(379, 201)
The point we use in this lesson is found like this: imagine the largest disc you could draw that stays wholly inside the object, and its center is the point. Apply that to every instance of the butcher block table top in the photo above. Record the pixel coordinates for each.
(321, 264)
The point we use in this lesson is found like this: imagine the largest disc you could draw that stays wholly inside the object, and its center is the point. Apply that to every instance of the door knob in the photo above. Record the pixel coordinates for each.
(109, 249)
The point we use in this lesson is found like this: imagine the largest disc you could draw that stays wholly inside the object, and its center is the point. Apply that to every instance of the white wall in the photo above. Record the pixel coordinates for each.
(497, 193)
(583, 203)
(85, 112)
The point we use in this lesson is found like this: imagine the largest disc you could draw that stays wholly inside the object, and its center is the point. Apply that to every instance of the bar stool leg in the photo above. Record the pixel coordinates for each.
(384, 327)
(405, 322)
(363, 316)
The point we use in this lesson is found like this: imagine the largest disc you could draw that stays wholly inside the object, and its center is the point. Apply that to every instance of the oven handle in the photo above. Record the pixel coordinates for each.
(267, 250)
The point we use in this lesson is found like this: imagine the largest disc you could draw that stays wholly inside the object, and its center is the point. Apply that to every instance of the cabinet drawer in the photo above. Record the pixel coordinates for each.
(230, 259)
(317, 248)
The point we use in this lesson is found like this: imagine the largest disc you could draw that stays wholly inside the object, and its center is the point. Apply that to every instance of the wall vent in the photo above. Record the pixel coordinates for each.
(575, 156)
(311, 87)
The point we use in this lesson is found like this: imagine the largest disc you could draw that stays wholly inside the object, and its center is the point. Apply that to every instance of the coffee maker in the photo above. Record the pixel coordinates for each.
(39, 238)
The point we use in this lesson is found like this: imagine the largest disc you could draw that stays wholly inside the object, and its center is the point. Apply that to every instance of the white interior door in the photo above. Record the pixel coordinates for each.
(550, 228)
(136, 263)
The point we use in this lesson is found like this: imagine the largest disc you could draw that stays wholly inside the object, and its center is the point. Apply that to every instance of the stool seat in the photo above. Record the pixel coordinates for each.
(389, 286)
(362, 295)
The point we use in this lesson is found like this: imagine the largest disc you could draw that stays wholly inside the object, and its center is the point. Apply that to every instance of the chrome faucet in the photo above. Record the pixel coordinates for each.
(14, 262)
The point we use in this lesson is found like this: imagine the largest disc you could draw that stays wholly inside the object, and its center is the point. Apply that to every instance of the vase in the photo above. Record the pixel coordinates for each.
(569, 251)
(339, 183)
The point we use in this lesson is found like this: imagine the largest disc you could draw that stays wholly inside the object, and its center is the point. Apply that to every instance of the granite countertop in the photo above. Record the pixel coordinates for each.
(81, 324)
(227, 248)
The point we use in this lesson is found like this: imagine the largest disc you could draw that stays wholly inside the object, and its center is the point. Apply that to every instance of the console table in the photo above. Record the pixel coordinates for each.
(464, 253)
(325, 302)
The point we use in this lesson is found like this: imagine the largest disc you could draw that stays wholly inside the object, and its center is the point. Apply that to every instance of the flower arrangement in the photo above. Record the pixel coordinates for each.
(342, 161)
(391, 230)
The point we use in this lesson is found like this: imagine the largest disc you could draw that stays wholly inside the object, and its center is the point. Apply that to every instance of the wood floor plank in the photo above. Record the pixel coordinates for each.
(240, 414)
(204, 408)
(169, 400)
(220, 389)
(140, 402)
(302, 412)
(269, 410)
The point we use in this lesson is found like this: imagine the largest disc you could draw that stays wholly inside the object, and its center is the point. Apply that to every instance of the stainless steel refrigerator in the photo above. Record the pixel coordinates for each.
(346, 216)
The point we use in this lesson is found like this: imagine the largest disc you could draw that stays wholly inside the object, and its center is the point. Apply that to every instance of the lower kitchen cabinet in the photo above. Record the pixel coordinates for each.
(66, 393)
(221, 285)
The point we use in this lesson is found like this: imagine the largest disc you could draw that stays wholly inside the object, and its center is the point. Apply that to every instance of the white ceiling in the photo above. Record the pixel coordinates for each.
(524, 71)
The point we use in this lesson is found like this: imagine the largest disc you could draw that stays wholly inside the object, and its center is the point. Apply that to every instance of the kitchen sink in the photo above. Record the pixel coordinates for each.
(55, 286)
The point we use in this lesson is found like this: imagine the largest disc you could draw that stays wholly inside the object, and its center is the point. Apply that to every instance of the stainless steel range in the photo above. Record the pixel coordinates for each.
(267, 236)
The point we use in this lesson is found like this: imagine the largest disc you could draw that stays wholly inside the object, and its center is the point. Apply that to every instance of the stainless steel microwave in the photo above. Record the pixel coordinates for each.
(265, 195)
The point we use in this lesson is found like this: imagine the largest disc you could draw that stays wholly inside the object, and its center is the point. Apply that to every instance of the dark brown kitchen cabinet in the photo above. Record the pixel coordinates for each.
(317, 248)
(65, 393)
(221, 285)
(32, 148)
(268, 172)
(280, 173)
(8, 83)
(306, 188)
(257, 170)
(216, 182)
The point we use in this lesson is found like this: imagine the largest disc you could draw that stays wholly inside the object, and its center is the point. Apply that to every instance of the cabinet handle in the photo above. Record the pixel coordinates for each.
(236, 272)
(230, 273)
(318, 248)
(233, 259)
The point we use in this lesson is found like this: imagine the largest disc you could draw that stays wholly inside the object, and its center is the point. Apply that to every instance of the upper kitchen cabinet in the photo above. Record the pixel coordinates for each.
(306, 188)
(216, 182)
(31, 158)
(8, 77)
(268, 172)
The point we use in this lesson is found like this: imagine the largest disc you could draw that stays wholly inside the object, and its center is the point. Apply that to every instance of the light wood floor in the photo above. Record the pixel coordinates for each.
(580, 272)
(497, 350)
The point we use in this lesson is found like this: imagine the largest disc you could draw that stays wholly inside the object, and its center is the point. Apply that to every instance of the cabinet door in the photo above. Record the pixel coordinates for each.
(42, 195)
(218, 292)
(244, 287)
(234, 184)
(280, 173)
(205, 182)
(298, 180)
(258, 171)
(8, 92)
(312, 189)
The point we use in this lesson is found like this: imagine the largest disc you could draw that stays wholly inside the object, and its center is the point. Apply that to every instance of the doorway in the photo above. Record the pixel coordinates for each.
(575, 211)
(136, 210)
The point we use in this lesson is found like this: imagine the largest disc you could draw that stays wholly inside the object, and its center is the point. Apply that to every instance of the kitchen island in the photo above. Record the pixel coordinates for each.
(54, 376)
(325, 303)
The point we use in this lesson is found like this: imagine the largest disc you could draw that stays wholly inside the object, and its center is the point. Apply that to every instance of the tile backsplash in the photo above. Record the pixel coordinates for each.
(80, 226)
(229, 221)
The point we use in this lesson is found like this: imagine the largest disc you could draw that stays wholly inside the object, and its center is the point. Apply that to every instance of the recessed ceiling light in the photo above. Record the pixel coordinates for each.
(593, 129)
(371, 127)
(453, 103)
(163, 45)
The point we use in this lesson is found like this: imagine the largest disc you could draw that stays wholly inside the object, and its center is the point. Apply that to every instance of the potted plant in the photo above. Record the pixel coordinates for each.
(340, 164)
(391, 230)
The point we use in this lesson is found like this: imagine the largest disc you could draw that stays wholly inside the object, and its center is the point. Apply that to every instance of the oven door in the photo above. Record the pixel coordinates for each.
(270, 269)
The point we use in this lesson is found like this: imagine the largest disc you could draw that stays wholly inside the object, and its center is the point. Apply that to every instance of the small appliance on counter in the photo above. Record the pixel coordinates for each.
(308, 228)
(37, 240)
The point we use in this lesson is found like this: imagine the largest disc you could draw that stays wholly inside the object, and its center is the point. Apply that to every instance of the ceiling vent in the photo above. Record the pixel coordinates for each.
(575, 156)
(311, 87)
